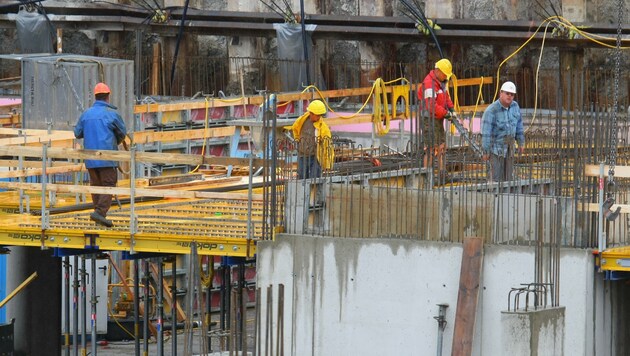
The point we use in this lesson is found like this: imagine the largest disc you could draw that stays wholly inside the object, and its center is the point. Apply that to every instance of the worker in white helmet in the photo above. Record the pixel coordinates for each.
(502, 129)
(315, 150)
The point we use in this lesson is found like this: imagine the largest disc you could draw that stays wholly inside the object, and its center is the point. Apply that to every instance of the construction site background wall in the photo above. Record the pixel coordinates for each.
(121, 44)
(370, 297)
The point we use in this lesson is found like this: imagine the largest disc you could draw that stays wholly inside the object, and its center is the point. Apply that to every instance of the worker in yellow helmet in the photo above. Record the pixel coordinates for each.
(315, 149)
(437, 106)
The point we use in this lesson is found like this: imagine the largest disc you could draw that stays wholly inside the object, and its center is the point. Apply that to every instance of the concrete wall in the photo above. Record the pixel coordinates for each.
(372, 296)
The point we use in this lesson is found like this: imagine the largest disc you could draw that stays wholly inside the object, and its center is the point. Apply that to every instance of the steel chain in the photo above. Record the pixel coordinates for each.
(613, 136)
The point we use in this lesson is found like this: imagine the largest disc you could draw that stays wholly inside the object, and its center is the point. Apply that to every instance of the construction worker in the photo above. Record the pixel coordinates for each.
(438, 107)
(101, 128)
(315, 150)
(501, 128)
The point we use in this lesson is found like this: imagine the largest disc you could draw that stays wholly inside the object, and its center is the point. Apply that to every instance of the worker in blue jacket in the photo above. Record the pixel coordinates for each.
(101, 128)
(501, 130)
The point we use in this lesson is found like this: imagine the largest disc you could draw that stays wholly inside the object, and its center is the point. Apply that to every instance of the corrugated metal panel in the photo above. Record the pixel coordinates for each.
(56, 89)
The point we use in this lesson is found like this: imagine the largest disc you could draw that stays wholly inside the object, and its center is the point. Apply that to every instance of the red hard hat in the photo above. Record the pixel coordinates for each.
(101, 88)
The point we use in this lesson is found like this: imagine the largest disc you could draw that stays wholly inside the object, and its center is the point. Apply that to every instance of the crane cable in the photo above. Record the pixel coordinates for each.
(381, 104)
(205, 133)
(559, 21)
(613, 136)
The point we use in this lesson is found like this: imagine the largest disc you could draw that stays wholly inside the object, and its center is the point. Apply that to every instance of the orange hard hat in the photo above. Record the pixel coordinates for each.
(101, 88)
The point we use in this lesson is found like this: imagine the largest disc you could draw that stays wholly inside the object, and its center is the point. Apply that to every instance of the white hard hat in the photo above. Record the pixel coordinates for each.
(509, 87)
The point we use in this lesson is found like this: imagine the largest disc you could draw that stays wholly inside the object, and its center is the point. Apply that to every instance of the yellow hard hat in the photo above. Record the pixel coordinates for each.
(445, 66)
(317, 107)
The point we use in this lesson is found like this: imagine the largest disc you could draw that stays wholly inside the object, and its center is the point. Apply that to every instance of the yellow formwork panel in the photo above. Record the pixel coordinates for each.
(218, 226)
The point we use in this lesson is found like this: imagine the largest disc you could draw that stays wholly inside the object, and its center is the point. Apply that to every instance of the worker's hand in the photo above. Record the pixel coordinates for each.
(422, 29)
(485, 157)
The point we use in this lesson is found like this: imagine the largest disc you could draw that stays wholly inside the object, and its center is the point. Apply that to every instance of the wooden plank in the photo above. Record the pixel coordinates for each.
(139, 192)
(469, 281)
(38, 171)
(44, 138)
(471, 108)
(141, 137)
(256, 100)
(124, 156)
(29, 132)
(168, 295)
(592, 170)
(594, 207)
(14, 163)
(472, 81)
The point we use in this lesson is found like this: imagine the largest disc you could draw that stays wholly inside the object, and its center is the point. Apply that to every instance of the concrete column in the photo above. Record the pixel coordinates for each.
(535, 332)
(442, 9)
(574, 10)
(40, 301)
(374, 52)
(243, 47)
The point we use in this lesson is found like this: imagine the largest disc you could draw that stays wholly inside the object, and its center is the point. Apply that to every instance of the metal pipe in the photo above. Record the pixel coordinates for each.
(83, 307)
(44, 212)
(208, 311)
(441, 320)
(66, 303)
(93, 302)
(601, 234)
(145, 319)
(160, 308)
(174, 306)
(240, 308)
(138, 63)
(136, 306)
(305, 44)
(133, 221)
(75, 306)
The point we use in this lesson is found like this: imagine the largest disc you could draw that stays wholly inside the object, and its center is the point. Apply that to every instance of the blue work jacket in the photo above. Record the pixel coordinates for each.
(501, 127)
(101, 128)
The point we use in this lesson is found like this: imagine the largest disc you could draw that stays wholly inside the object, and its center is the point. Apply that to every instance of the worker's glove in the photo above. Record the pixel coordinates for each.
(448, 117)
(424, 30)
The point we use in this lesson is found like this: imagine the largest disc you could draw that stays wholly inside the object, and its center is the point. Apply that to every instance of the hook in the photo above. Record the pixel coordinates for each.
(609, 214)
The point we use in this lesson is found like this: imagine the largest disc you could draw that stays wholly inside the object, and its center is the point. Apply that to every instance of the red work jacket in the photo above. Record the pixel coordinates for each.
(437, 101)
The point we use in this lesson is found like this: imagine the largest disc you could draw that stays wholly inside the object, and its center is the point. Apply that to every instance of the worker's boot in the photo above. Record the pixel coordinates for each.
(100, 219)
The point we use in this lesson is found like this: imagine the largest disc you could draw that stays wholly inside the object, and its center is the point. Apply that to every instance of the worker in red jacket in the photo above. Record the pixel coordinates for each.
(436, 107)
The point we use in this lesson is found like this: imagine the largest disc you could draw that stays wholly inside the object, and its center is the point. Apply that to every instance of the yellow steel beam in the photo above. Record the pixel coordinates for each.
(616, 259)
(106, 239)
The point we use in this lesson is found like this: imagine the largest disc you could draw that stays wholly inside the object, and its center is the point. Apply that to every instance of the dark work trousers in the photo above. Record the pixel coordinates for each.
(308, 167)
(103, 177)
(501, 167)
